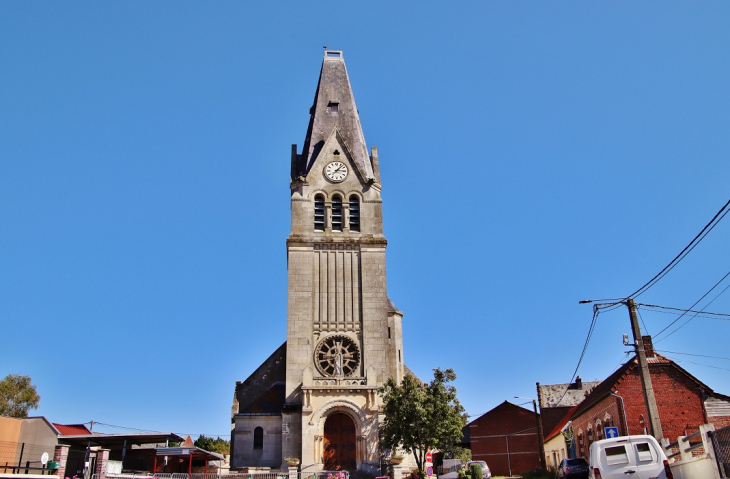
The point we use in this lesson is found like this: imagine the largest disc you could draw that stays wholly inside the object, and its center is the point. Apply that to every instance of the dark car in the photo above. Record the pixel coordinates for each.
(573, 469)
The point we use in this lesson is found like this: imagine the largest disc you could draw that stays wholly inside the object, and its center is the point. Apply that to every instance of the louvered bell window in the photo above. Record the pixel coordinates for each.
(354, 213)
(319, 213)
(336, 213)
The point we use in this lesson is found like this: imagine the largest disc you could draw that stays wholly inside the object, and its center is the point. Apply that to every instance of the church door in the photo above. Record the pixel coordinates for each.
(339, 443)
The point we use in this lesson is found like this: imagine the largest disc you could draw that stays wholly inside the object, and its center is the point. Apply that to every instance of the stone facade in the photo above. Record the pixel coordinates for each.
(344, 335)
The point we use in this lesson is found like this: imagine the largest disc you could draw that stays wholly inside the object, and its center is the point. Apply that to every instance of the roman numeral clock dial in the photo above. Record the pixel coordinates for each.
(335, 171)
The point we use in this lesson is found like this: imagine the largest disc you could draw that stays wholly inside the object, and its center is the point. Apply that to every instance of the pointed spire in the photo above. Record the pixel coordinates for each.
(334, 109)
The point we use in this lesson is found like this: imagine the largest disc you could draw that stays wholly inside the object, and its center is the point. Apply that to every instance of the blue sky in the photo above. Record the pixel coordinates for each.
(533, 155)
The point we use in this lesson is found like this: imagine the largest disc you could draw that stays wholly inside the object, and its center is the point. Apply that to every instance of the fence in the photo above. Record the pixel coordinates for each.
(247, 475)
(692, 456)
(721, 443)
(25, 458)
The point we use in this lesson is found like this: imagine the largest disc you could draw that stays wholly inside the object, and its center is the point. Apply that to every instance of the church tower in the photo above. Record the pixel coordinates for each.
(344, 336)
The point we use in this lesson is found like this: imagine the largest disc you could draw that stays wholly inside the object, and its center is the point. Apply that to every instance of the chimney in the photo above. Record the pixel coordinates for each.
(578, 383)
(648, 346)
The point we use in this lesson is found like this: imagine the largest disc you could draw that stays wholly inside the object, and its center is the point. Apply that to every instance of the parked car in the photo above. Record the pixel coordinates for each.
(620, 457)
(573, 469)
(486, 474)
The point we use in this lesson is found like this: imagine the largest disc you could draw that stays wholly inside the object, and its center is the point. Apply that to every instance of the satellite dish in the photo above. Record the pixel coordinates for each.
(44, 458)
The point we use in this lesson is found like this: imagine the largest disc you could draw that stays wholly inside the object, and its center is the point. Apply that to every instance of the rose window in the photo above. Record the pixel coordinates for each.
(337, 356)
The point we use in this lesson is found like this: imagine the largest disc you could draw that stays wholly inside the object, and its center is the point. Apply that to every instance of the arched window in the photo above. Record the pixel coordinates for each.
(354, 213)
(319, 213)
(337, 213)
(258, 438)
(607, 420)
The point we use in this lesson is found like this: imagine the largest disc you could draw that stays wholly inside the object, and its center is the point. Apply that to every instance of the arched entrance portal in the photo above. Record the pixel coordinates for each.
(340, 448)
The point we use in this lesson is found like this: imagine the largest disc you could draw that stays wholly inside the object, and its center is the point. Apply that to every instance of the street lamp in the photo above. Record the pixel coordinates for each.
(538, 422)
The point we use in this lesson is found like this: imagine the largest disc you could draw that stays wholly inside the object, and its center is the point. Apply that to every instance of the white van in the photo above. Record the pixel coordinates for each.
(628, 457)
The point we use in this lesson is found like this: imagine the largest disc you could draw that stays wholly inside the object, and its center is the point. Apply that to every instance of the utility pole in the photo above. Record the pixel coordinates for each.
(543, 465)
(651, 407)
(538, 426)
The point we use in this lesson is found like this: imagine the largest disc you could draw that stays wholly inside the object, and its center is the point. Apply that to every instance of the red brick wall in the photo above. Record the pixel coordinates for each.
(679, 401)
(609, 407)
(719, 421)
(492, 433)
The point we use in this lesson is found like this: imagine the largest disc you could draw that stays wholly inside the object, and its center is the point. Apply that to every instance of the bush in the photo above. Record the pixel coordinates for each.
(475, 471)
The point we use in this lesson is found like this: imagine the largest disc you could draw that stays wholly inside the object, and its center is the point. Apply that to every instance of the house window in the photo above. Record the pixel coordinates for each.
(354, 213)
(258, 438)
(319, 213)
(337, 213)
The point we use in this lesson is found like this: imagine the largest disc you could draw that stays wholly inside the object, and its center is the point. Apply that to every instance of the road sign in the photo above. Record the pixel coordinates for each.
(611, 432)
(429, 471)
(429, 457)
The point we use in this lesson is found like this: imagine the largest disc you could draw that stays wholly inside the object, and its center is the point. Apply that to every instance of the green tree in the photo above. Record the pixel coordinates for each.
(221, 446)
(420, 416)
(17, 396)
(457, 452)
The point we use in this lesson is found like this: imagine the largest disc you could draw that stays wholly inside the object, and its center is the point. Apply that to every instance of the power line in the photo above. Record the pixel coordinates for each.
(687, 249)
(96, 423)
(596, 308)
(695, 304)
(690, 354)
(721, 317)
(700, 364)
(642, 321)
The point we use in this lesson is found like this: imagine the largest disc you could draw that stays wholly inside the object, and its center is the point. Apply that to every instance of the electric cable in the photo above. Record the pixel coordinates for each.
(596, 308)
(700, 364)
(721, 317)
(690, 354)
(687, 249)
(695, 304)
(642, 321)
(693, 317)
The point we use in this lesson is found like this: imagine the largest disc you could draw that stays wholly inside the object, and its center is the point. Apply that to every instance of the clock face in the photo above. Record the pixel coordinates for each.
(336, 171)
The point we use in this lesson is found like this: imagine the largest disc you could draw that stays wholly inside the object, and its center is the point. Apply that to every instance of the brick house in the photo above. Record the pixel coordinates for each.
(683, 401)
(506, 438)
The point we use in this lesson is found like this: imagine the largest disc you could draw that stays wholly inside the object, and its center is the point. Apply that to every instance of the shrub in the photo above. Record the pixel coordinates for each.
(475, 471)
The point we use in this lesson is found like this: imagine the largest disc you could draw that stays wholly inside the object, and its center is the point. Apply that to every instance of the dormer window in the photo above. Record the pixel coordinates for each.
(319, 213)
(337, 213)
(354, 213)
(333, 107)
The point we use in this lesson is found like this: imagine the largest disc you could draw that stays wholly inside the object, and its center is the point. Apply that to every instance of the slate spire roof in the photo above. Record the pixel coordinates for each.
(334, 110)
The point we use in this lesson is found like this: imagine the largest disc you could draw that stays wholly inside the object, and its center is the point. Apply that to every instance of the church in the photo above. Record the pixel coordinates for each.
(315, 398)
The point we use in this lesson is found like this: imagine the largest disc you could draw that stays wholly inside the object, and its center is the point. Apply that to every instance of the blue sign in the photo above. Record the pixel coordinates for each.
(611, 432)
(429, 471)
